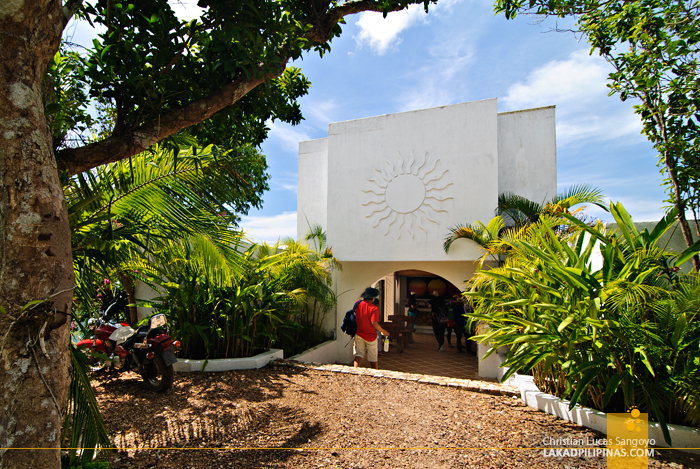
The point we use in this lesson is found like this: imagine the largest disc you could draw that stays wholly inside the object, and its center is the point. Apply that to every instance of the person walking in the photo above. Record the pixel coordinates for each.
(439, 318)
(460, 320)
(450, 323)
(367, 318)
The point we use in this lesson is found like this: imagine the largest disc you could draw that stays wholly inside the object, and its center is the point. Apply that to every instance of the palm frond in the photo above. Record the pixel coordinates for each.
(581, 194)
(88, 433)
(519, 209)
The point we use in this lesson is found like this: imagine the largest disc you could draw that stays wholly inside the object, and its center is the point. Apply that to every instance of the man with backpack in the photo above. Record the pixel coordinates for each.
(367, 318)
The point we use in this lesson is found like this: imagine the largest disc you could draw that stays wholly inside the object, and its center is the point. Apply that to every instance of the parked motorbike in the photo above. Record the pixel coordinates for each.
(147, 350)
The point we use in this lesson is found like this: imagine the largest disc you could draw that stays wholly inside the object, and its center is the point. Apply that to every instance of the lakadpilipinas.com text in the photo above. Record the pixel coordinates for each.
(597, 447)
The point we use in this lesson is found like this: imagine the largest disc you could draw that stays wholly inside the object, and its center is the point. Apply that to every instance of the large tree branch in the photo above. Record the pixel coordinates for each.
(125, 143)
(132, 142)
(69, 9)
(323, 25)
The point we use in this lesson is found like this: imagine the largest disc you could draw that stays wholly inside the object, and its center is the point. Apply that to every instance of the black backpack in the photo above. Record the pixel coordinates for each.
(349, 325)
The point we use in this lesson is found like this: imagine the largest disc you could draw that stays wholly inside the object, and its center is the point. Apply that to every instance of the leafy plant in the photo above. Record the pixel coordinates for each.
(515, 214)
(654, 48)
(279, 294)
(85, 434)
(217, 312)
(122, 215)
(619, 335)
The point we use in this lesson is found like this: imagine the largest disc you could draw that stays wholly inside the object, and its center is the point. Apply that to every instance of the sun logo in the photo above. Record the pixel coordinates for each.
(633, 424)
(405, 193)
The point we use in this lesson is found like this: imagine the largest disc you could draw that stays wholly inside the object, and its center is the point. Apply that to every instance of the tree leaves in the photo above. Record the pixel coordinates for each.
(654, 47)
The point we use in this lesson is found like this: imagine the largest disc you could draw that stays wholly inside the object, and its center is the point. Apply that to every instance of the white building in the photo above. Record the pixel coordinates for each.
(387, 190)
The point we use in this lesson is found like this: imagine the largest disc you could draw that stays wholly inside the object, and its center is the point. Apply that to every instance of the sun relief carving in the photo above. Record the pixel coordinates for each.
(405, 194)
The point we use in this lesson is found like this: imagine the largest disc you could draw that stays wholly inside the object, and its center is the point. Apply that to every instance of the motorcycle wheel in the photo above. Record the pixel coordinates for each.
(157, 376)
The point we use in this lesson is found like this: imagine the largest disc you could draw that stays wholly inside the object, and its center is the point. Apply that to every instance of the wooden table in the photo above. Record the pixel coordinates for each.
(404, 320)
(398, 333)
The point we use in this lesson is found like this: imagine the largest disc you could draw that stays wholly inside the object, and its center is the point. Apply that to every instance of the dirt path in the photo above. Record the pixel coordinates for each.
(242, 419)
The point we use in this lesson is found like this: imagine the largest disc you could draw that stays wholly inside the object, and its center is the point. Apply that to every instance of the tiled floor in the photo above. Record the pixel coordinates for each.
(423, 357)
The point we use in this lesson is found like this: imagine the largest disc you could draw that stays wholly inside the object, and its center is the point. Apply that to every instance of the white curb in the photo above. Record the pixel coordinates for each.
(227, 364)
(682, 437)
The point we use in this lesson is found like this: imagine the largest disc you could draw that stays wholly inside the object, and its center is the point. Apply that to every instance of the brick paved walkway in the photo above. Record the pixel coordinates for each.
(422, 357)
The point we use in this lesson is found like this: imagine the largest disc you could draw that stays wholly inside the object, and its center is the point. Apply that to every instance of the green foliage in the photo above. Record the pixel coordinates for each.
(218, 312)
(521, 211)
(622, 335)
(653, 46)
(83, 424)
(148, 62)
(214, 311)
(486, 236)
(309, 270)
(125, 213)
(515, 214)
(65, 98)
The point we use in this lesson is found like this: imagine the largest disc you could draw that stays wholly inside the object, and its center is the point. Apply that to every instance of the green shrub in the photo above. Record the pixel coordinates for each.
(275, 297)
(624, 335)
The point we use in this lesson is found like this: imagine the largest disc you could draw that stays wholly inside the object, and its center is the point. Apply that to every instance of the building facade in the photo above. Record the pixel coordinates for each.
(387, 190)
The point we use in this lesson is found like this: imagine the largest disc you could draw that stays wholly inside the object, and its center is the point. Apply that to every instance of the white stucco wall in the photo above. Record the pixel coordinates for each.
(143, 292)
(388, 189)
(397, 182)
(527, 155)
(312, 185)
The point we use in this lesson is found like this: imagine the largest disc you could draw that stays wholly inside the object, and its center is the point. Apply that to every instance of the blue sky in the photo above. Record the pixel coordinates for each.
(460, 52)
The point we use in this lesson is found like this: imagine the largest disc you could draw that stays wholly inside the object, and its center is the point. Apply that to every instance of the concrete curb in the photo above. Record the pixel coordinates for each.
(684, 438)
(228, 364)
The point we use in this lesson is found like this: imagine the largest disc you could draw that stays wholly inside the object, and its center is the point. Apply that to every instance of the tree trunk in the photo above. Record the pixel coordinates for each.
(35, 250)
(682, 220)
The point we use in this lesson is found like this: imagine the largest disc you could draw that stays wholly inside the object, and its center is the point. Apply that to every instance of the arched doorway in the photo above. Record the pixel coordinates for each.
(421, 354)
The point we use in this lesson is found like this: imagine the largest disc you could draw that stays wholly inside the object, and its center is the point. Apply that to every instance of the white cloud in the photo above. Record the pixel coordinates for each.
(287, 136)
(382, 34)
(270, 229)
(440, 80)
(428, 94)
(286, 181)
(581, 77)
(186, 10)
(577, 86)
(321, 112)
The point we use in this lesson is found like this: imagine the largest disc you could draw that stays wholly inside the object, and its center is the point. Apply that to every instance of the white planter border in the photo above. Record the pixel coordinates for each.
(322, 353)
(683, 437)
(227, 364)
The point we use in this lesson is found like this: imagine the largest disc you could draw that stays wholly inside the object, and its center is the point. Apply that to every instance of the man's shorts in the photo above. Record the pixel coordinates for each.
(366, 349)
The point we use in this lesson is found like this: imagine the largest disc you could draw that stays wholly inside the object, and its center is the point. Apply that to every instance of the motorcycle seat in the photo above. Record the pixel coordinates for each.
(138, 337)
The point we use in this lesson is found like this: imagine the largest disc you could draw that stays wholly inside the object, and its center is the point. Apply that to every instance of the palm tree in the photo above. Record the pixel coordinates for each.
(515, 214)
(325, 252)
(126, 214)
(524, 212)
(486, 236)
(312, 270)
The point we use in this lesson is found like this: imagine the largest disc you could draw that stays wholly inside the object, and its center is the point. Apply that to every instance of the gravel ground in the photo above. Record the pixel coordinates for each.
(325, 419)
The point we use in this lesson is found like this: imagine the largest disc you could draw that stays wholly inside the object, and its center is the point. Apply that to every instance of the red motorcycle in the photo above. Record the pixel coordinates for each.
(147, 350)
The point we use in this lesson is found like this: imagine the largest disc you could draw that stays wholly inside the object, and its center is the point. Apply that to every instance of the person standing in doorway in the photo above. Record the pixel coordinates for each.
(460, 320)
(367, 318)
(439, 318)
(413, 308)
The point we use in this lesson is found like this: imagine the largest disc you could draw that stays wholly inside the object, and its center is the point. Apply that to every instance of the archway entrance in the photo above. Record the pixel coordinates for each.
(421, 354)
